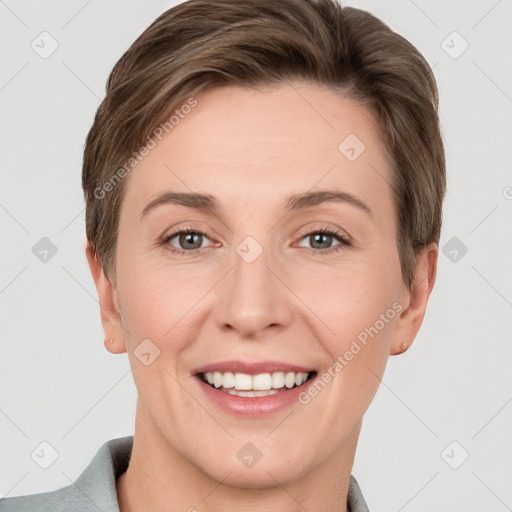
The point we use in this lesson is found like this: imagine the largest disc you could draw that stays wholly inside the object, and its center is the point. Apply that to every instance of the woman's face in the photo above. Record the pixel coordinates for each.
(255, 281)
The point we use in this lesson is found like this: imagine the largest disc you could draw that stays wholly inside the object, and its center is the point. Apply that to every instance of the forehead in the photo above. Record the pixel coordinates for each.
(242, 144)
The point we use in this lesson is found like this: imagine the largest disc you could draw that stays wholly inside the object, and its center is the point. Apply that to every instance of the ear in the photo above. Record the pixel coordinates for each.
(415, 300)
(109, 306)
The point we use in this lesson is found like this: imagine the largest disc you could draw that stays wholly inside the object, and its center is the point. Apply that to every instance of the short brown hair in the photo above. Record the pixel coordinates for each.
(199, 44)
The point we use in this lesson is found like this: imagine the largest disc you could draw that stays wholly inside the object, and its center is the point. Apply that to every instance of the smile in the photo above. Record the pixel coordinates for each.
(261, 384)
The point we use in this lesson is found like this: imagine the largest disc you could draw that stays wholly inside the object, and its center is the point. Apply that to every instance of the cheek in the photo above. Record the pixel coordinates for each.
(161, 303)
(348, 300)
(361, 317)
(359, 308)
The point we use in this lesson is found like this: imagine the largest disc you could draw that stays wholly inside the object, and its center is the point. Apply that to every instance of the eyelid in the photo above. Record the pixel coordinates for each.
(344, 241)
(191, 228)
(322, 228)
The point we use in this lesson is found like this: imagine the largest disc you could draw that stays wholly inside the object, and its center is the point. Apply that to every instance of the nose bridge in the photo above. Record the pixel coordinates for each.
(252, 298)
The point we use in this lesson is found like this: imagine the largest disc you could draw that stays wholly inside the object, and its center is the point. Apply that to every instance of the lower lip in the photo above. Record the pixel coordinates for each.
(253, 407)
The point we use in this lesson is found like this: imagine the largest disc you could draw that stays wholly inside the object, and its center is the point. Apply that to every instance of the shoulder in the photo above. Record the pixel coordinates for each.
(355, 499)
(94, 489)
(58, 500)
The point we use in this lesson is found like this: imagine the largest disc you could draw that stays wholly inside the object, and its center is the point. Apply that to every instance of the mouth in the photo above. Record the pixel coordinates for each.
(258, 385)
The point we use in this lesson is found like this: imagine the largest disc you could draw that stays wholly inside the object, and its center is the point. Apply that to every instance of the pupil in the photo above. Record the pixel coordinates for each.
(320, 236)
(189, 238)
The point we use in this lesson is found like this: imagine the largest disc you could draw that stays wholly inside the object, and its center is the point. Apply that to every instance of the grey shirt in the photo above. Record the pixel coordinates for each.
(95, 489)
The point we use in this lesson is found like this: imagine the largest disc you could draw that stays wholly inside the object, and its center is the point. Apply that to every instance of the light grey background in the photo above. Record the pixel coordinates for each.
(59, 384)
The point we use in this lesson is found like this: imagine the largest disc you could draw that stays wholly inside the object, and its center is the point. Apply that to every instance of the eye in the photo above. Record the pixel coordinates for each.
(188, 240)
(191, 240)
(321, 241)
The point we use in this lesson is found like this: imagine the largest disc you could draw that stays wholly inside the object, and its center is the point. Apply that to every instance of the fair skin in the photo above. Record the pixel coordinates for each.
(296, 302)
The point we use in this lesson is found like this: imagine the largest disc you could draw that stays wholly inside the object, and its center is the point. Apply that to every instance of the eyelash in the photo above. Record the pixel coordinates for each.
(344, 242)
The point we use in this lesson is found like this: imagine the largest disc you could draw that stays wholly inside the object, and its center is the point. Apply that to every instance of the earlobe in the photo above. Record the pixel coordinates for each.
(110, 317)
(410, 320)
(114, 346)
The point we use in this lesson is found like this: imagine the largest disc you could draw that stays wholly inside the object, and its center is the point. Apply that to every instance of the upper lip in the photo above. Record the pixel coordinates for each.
(252, 368)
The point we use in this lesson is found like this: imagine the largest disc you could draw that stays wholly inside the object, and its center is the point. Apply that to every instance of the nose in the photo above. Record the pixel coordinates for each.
(253, 299)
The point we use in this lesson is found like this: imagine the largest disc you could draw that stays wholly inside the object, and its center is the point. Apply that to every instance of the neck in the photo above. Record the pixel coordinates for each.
(160, 478)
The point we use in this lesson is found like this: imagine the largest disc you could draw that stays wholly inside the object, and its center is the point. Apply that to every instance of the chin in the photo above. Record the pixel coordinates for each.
(260, 477)
(263, 471)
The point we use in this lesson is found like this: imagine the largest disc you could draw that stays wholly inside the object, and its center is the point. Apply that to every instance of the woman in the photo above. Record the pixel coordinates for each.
(264, 186)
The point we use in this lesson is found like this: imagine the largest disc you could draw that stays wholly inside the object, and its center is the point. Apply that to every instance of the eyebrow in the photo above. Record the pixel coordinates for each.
(301, 201)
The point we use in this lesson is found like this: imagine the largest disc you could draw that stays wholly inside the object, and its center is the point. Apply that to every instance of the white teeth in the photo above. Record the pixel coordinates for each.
(243, 381)
(252, 393)
(262, 382)
(289, 380)
(228, 380)
(217, 379)
(278, 380)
